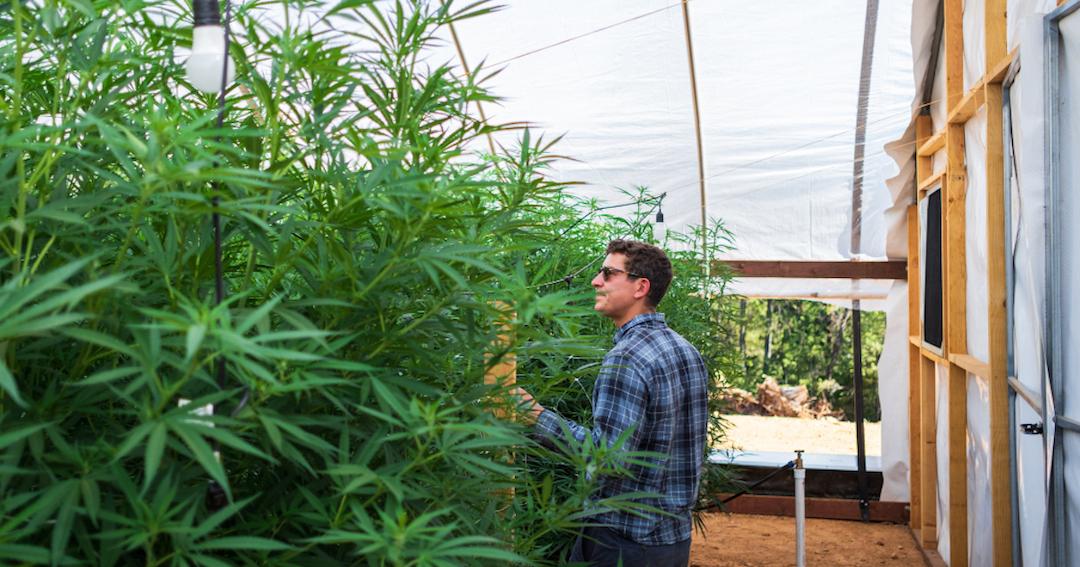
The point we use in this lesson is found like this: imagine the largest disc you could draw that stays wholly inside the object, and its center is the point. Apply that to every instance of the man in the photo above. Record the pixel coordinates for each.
(653, 382)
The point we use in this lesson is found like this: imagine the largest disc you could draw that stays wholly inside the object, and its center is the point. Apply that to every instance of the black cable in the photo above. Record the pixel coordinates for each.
(206, 12)
(720, 503)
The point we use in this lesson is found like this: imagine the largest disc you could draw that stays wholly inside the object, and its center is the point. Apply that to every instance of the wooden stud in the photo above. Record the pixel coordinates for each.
(1000, 454)
(504, 371)
(1000, 484)
(928, 461)
(954, 285)
(914, 362)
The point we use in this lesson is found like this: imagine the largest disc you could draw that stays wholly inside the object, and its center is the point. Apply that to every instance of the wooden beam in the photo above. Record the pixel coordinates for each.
(955, 287)
(1000, 455)
(934, 357)
(971, 364)
(997, 72)
(930, 183)
(853, 270)
(914, 407)
(928, 433)
(954, 282)
(817, 296)
(932, 145)
(968, 106)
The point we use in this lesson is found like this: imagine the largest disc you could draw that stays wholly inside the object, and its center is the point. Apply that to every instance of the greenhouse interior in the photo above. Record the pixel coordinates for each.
(328, 282)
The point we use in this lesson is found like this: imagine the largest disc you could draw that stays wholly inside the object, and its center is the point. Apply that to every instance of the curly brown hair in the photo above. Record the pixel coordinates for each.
(649, 262)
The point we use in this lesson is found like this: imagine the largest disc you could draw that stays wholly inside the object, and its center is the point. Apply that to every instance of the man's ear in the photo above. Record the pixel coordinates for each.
(642, 288)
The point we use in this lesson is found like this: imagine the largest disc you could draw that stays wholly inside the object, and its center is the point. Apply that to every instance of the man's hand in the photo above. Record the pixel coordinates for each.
(528, 411)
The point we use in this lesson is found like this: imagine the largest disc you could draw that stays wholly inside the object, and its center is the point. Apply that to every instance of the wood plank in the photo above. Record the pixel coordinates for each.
(971, 364)
(932, 145)
(929, 354)
(954, 53)
(1000, 456)
(998, 71)
(914, 357)
(928, 433)
(826, 508)
(930, 182)
(994, 34)
(958, 473)
(954, 284)
(968, 105)
(877, 270)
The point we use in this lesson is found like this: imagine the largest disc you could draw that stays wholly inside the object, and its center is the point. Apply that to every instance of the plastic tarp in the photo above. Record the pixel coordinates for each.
(777, 99)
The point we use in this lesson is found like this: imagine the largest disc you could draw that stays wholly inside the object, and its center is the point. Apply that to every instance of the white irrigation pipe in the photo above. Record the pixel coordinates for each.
(800, 511)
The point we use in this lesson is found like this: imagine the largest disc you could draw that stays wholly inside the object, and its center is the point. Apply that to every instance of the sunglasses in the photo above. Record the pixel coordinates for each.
(607, 271)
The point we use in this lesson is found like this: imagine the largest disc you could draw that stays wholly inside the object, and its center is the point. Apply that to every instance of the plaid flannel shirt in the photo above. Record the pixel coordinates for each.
(655, 381)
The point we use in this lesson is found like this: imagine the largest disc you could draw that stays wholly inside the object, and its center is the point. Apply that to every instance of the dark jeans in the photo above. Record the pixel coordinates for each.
(603, 547)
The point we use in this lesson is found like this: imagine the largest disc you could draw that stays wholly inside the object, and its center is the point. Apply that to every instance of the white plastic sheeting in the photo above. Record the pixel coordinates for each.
(778, 101)
(1027, 258)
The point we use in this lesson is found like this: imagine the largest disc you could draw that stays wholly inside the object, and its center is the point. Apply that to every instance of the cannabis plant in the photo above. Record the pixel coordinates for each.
(331, 407)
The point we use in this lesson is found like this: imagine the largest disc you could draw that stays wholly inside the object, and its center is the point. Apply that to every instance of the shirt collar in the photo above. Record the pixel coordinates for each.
(638, 321)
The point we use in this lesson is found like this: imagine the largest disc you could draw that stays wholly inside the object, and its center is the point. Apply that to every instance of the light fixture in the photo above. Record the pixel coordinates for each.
(659, 230)
(208, 49)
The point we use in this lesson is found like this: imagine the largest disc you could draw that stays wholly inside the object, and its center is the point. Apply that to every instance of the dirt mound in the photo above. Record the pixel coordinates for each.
(776, 400)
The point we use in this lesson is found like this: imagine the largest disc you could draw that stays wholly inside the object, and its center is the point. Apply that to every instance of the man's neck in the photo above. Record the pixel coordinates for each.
(633, 312)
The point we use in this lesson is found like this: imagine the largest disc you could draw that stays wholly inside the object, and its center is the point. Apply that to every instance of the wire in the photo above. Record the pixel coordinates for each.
(588, 33)
(569, 278)
(720, 503)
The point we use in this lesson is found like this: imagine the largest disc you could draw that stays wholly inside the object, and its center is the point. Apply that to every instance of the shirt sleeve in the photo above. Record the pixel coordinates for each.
(620, 398)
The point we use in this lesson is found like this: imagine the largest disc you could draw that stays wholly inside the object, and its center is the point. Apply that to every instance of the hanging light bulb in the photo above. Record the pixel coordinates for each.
(659, 230)
(208, 49)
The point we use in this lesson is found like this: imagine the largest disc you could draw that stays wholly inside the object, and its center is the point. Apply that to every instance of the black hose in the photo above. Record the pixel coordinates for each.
(720, 503)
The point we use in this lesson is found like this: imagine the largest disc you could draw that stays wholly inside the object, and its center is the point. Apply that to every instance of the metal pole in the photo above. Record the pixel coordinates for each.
(860, 431)
(800, 510)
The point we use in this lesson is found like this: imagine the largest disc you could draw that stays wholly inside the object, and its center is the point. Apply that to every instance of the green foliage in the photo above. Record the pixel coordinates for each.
(364, 253)
(808, 343)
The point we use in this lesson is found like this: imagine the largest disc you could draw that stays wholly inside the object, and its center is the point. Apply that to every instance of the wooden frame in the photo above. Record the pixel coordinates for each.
(961, 106)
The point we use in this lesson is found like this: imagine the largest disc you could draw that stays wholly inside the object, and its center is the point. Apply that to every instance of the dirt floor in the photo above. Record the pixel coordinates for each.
(738, 540)
(821, 436)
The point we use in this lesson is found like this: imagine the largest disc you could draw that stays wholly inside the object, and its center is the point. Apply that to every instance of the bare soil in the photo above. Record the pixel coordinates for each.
(822, 436)
(739, 540)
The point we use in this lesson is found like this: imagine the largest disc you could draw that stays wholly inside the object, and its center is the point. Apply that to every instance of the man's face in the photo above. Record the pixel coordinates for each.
(619, 292)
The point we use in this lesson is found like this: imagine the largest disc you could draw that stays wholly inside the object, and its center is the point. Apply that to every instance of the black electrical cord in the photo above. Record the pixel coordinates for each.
(206, 12)
(720, 503)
